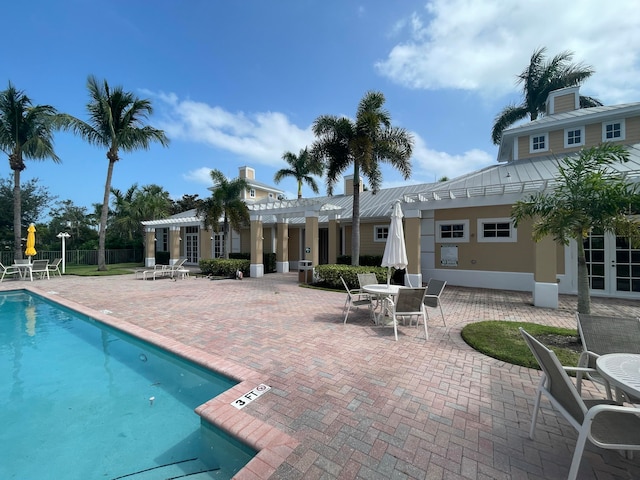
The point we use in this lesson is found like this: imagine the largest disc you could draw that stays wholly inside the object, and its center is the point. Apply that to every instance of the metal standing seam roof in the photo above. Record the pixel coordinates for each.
(514, 179)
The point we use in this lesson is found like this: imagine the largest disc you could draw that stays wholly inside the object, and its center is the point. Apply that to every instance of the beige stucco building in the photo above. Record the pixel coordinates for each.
(459, 230)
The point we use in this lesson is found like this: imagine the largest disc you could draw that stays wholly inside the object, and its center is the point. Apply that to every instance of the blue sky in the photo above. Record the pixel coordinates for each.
(238, 83)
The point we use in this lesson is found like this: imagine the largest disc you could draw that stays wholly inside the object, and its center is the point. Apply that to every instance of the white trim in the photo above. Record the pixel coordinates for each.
(513, 231)
(465, 231)
(538, 135)
(545, 295)
(256, 270)
(566, 137)
(613, 122)
(375, 233)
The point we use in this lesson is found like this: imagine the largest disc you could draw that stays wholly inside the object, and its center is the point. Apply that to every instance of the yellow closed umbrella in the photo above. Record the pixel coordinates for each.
(31, 241)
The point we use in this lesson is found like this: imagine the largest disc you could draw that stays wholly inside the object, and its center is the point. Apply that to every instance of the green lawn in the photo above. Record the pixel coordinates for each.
(92, 270)
(503, 341)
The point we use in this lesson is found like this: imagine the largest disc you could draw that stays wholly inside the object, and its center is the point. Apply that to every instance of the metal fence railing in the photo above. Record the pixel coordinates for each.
(82, 257)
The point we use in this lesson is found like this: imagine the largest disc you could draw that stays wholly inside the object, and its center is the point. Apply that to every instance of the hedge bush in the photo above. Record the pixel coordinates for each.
(329, 275)
(219, 267)
(364, 261)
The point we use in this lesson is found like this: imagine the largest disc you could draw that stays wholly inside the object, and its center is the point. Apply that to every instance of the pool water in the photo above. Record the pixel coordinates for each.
(79, 400)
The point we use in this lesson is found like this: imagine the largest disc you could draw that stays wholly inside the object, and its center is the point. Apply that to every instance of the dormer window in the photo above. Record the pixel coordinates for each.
(538, 143)
(252, 193)
(573, 137)
(613, 131)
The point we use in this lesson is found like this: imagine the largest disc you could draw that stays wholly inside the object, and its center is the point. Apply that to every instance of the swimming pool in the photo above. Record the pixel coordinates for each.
(82, 400)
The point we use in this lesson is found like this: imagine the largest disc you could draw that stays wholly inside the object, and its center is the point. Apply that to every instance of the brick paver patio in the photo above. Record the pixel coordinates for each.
(357, 404)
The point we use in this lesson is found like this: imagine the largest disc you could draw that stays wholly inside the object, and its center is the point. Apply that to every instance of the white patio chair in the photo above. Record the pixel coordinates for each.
(413, 280)
(409, 303)
(10, 271)
(605, 423)
(601, 335)
(369, 279)
(432, 297)
(355, 298)
(40, 268)
(54, 267)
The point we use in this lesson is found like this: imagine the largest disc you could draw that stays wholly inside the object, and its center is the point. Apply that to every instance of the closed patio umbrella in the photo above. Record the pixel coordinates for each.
(31, 241)
(395, 251)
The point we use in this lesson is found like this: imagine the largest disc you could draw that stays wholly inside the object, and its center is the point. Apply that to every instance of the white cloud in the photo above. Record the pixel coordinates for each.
(261, 137)
(200, 175)
(431, 165)
(483, 45)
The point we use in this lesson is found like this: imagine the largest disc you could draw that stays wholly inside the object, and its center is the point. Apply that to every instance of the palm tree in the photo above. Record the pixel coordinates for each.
(589, 195)
(225, 202)
(364, 144)
(116, 122)
(538, 80)
(135, 206)
(301, 168)
(26, 131)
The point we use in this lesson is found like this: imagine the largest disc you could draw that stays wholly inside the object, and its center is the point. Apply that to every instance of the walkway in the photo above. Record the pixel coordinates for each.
(360, 405)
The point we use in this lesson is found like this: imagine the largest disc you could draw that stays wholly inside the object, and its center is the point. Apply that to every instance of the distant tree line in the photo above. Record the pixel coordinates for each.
(127, 209)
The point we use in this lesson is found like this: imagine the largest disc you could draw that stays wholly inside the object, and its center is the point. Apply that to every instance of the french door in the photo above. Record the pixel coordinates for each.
(191, 244)
(613, 265)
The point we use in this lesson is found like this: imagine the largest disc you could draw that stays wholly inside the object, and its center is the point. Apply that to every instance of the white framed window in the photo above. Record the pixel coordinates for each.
(448, 231)
(613, 131)
(573, 137)
(538, 143)
(380, 233)
(497, 230)
(270, 195)
(252, 193)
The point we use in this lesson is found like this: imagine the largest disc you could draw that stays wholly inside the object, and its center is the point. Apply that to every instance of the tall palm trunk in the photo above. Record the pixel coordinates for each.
(584, 297)
(104, 213)
(17, 216)
(227, 240)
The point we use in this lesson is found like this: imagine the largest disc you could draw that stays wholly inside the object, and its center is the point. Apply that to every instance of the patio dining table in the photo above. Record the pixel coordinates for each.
(25, 270)
(622, 371)
(385, 292)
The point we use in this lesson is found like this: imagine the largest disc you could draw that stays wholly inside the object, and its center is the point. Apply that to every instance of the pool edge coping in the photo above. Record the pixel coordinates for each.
(273, 445)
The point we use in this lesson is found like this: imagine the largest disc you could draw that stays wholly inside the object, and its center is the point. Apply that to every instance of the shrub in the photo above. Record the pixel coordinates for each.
(329, 275)
(220, 267)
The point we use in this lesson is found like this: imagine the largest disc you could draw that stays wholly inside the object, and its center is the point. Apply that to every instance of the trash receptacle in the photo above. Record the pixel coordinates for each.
(305, 271)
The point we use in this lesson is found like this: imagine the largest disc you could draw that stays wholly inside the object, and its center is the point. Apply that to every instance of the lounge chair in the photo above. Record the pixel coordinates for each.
(10, 271)
(177, 268)
(605, 423)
